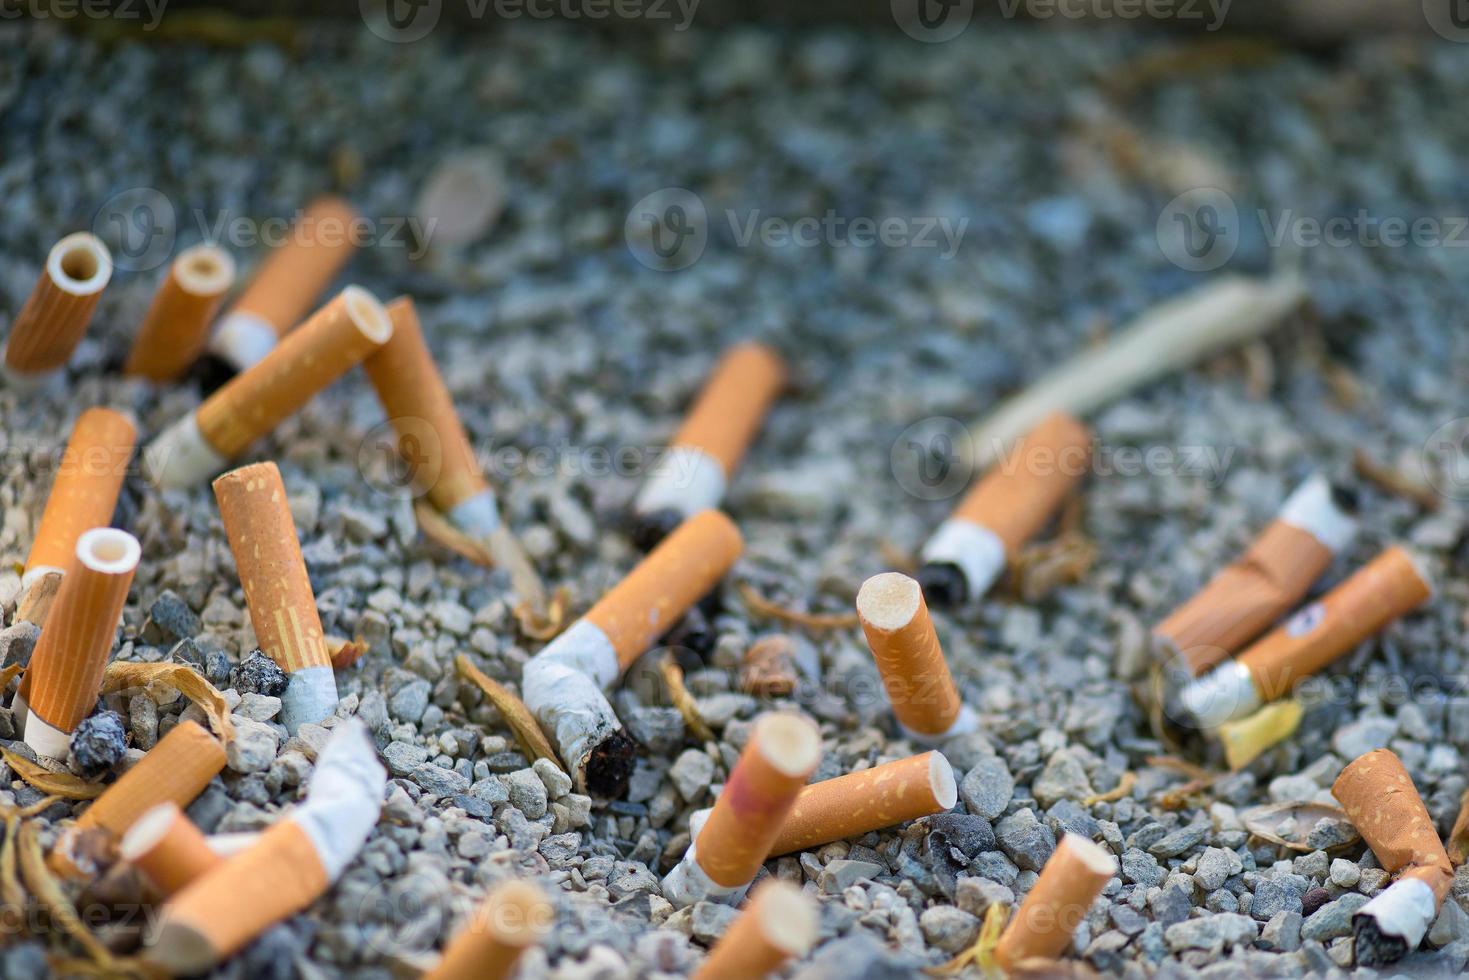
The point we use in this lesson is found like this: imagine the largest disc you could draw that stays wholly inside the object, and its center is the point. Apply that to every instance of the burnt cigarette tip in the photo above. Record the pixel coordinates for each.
(647, 530)
(1375, 948)
(610, 766)
(1344, 497)
(943, 584)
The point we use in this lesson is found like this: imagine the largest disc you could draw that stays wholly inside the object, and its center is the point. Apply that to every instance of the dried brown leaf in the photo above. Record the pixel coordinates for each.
(9, 674)
(1123, 787)
(11, 890)
(35, 604)
(679, 695)
(769, 667)
(1395, 481)
(345, 653)
(123, 675)
(438, 529)
(62, 784)
(1458, 842)
(981, 955)
(528, 735)
(1273, 821)
(1042, 568)
(762, 606)
(548, 624)
(896, 558)
(43, 884)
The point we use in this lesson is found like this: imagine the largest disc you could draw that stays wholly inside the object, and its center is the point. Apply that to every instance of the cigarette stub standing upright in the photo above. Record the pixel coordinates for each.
(1389, 586)
(432, 439)
(288, 283)
(175, 771)
(84, 494)
(65, 673)
(515, 916)
(705, 452)
(780, 923)
(262, 537)
(735, 839)
(1071, 880)
(176, 326)
(286, 869)
(1009, 506)
(563, 685)
(336, 337)
(1314, 526)
(900, 631)
(861, 802)
(54, 319)
(1380, 799)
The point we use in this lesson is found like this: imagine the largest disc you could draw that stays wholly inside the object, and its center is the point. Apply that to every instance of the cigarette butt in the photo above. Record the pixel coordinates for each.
(748, 816)
(514, 917)
(84, 493)
(55, 316)
(168, 849)
(65, 673)
(287, 868)
(287, 283)
(900, 631)
(1380, 799)
(336, 337)
(1007, 507)
(1074, 876)
(861, 802)
(1387, 587)
(262, 537)
(707, 448)
(1271, 577)
(176, 326)
(674, 576)
(780, 923)
(417, 402)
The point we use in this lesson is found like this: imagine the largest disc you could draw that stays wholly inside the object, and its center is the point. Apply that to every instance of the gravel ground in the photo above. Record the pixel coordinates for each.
(1058, 152)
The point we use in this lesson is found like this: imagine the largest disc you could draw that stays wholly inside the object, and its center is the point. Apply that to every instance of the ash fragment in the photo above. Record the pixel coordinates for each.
(259, 674)
(943, 585)
(1375, 948)
(610, 765)
(646, 530)
(99, 743)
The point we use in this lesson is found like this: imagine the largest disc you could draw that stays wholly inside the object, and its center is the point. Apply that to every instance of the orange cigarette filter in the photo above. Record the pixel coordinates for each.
(176, 326)
(1389, 586)
(168, 849)
(339, 335)
(779, 923)
(724, 419)
(900, 631)
(65, 673)
(1380, 799)
(1072, 879)
(262, 537)
(514, 917)
(684, 566)
(1021, 493)
(84, 493)
(53, 320)
(418, 404)
(218, 914)
(783, 751)
(291, 278)
(861, 802)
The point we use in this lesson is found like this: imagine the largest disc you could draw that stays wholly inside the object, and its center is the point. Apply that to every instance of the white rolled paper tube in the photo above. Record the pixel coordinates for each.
(1313, 509)
(243, 339)
(179, 456)
(1224, 694)
(478, 515)
(688, 883)
(687, 480)
(966, 723)
(344, 796)
(976, 551)
(311, 695)
(563, 687)
(1405, 910)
